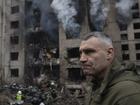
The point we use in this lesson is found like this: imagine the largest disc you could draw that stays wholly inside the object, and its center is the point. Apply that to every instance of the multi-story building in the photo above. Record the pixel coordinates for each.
(130, 37)
(13, 46)
(12, 40)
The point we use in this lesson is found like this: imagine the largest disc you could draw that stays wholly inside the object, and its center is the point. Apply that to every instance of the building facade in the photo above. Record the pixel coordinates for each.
(12, 40)
(129, 37)
(13, 49)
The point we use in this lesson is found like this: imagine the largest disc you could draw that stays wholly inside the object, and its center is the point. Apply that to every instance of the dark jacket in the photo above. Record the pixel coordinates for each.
(121, 86)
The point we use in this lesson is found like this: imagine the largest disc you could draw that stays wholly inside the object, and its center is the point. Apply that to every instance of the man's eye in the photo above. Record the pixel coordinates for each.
(89, 51)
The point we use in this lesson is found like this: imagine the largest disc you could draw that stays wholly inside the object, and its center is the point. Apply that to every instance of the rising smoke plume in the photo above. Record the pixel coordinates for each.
(48, 21)
(98, 14)
(66, 12)
(123, 8)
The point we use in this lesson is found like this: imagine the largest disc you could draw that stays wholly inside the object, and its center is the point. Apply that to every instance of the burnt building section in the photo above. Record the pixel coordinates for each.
(41, 58)
(36, 17)
(42, 53)
(70, 15)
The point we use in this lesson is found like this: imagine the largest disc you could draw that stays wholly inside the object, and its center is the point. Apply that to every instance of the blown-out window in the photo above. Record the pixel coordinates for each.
(14, 56)
(73, 52)
(137, 35)
(14, 24)
(14, 39)
(125, 56)
(14, 72)
(14, 9)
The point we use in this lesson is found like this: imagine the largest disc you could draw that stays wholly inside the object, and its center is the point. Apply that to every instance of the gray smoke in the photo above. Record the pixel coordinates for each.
(48, 21)
(66, 12)
(98, 14)
(123, 8)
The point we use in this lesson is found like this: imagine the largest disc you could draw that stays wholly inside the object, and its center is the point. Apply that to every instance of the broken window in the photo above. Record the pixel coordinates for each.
(123, 27)
(56, 55)
(36, 17)
(74, 74)
(73, 52)
(14, 9)
(124, 37)
(14, 55)
(14, 72)
(36, 53)
(14, 24)
(137, 46)
(28, 18)
(138, 56)
(137, 35)
(28, 5)
(55, 72)
(136, 6)
(136, 15)
(125, 47)
(125, 56)
(14, 39)
(136, 25)
(37, 70)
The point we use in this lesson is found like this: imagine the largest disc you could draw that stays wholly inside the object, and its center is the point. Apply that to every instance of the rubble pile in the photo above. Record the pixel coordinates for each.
(52, 94)
(66, 100)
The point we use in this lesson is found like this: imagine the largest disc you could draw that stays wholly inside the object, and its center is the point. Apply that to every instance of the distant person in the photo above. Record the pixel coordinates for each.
(111, 83)
(19, 97)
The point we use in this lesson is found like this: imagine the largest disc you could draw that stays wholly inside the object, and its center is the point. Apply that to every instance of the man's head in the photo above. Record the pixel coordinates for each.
(96, 54)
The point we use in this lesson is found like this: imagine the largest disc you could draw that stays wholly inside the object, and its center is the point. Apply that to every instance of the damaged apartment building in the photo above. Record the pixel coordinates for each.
(42, 37)
(27, 49)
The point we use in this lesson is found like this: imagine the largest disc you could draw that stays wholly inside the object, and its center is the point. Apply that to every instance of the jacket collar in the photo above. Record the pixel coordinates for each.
(115, 66)
(115, 71)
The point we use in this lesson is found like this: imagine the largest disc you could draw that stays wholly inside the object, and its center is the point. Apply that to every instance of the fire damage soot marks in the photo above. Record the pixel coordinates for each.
(124, 16)
(66, 13)
(51, 12)
(39, 55)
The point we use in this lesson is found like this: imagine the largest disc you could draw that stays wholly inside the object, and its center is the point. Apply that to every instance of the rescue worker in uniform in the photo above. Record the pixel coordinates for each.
(111, 83)
(19, 97)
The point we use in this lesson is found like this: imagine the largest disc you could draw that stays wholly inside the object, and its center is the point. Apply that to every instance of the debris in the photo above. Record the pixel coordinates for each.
(50, 94)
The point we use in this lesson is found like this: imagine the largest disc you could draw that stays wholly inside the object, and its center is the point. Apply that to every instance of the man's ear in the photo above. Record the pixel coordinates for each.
(110, 53)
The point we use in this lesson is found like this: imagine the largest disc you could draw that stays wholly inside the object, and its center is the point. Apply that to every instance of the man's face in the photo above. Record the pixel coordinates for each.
(95, 57)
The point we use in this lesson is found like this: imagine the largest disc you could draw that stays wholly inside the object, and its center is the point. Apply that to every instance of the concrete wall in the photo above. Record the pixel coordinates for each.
(6, 46)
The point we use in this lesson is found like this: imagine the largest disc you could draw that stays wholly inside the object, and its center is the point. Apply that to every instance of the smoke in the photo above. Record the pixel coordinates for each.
(66, 13)
(98, 13)
(48, 20)
(123, 8)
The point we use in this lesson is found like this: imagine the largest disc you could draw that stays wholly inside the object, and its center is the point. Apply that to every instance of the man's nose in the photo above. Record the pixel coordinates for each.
(83, 58)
